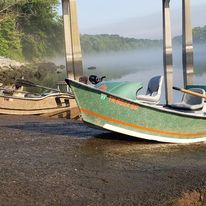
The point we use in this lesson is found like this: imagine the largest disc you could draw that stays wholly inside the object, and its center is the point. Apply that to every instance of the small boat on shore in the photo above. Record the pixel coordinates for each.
(139, 116)
(56, 104)
(52, 104)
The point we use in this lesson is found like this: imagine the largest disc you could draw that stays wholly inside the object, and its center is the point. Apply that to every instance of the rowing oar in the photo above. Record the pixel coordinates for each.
(27, 83)
(190, 92)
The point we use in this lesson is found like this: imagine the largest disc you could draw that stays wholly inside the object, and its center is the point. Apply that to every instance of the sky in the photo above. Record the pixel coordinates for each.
(134, 18)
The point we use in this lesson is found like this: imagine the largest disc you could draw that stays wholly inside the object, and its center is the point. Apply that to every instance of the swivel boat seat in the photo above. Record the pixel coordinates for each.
(153, 91)
(190, 102)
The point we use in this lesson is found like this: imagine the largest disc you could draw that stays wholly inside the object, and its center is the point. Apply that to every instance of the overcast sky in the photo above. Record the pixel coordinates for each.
(133, 18)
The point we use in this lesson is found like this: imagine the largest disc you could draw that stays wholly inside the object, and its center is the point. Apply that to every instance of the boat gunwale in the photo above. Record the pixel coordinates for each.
(62, 95)
(29, 110)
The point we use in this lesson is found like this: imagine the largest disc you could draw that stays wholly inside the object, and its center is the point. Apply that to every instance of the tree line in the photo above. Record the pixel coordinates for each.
(32, 29)
(106, 42)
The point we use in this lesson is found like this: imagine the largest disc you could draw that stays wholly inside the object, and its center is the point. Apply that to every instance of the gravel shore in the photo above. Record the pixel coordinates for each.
(62, 162)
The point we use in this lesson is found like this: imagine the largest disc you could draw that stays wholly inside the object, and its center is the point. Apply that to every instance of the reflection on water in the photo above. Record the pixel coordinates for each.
(142, 65)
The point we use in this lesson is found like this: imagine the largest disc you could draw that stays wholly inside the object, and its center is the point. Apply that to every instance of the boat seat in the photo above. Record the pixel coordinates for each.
(153, 91)
(191, 102)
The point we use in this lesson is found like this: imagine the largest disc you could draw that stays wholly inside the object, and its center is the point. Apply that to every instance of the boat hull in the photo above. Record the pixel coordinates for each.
(114, 113)
(58, 105)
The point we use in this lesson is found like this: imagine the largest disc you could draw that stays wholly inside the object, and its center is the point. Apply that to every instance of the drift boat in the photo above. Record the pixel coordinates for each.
(105, 106)
(55, 104)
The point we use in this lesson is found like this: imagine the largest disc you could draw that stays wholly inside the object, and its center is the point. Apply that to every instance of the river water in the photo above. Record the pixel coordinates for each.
(142, 65)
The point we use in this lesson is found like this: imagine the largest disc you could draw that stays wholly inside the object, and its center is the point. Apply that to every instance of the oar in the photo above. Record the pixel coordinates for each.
(190, 92)
(27, 83)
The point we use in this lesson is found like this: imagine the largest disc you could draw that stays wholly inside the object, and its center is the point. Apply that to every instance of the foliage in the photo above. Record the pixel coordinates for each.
(42, 31)
(30, 28)
(199, 36)
(10, 40)
(105, 42)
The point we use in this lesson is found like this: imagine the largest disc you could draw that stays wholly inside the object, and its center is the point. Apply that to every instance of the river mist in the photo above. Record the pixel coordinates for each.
(141, 65)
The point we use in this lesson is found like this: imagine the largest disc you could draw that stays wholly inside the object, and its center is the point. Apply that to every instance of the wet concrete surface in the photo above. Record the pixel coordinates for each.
(62, 162)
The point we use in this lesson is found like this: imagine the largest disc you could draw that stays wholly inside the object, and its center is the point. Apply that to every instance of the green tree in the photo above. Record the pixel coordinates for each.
(10, 40)
(105, 42)
(35, 27)
(42, 30)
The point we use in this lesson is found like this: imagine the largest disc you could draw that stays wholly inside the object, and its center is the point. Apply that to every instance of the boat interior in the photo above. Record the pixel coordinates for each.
(190, 104)
(21, 94)
(15, 94)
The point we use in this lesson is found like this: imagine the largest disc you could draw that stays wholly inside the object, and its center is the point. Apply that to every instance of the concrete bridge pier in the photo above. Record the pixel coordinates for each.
(167, 51)
(187, 44)
(72, 40)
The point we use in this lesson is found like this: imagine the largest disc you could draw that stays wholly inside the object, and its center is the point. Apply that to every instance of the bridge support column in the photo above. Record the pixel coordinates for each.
(187, 43)
(72, 40)
(167, 52)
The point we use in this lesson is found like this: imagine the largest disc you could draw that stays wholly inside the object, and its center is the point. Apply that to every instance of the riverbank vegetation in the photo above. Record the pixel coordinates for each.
(33, 30)
(30, 30)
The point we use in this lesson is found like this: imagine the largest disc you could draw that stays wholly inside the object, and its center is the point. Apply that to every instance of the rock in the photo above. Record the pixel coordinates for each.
(9, 63)
(10, 70)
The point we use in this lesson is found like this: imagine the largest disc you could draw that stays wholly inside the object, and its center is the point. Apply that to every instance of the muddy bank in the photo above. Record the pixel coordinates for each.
(62, 162)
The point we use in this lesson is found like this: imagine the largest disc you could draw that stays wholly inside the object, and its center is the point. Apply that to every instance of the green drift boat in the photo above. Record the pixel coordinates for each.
(106, 107)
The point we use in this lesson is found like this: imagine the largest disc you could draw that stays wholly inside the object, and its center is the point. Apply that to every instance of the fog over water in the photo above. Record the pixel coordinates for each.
(144, 64)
